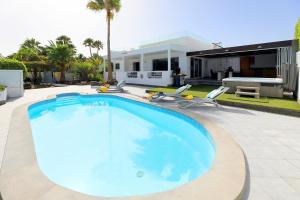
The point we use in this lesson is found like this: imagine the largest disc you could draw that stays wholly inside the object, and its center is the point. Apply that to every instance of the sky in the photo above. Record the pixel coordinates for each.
(232, 22)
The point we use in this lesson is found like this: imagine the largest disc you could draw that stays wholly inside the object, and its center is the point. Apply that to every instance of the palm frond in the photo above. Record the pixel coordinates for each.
(114, 5)
(95, 5)
(88, 42)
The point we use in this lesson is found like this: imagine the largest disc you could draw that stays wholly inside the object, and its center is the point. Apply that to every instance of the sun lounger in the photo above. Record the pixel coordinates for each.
(177, 94)
(210, 98)
(112, 89)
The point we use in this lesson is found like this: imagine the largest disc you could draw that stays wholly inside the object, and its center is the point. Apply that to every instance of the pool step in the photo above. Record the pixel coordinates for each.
(248, 91)
(63, 101)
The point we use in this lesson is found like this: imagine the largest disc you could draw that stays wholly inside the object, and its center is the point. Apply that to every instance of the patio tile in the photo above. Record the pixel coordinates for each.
(253, 152)
(257, 193)
(259, 169)
(282, 167)
(296, 163)
(294, 183)
(276, 188)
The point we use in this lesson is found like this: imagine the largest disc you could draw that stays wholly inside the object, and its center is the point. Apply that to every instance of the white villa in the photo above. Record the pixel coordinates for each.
(153, 64)
(271, 66)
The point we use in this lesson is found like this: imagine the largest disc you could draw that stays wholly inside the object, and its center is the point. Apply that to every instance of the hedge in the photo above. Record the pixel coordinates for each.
(11, 64)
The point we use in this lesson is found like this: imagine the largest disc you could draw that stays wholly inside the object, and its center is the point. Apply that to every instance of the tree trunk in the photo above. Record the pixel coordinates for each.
(34, 77)
(91, 51)
(62, 74)
(109, 67)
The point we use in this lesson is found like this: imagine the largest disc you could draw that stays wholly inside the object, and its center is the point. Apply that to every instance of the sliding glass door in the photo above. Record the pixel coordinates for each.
(196, 68)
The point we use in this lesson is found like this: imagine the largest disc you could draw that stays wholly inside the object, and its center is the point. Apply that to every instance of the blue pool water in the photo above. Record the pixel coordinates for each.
(112, 147)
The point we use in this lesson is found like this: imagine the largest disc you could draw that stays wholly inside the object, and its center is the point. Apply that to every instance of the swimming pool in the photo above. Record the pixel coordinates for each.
(113, 147)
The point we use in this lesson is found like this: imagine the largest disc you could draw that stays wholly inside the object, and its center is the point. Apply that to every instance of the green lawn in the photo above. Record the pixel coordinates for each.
(202, 91)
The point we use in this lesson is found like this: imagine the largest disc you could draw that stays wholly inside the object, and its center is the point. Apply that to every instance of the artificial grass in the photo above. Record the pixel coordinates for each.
(202, 90)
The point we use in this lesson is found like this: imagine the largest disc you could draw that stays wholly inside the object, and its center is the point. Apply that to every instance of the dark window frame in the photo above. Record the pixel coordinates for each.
(117, 66)
(136, 66)
(161, 64)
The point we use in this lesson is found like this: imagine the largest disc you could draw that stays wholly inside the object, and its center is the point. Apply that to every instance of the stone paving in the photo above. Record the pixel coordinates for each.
(271, 142)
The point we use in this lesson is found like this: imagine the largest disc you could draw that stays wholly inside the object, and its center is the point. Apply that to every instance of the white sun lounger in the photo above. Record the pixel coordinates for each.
(115, 89)
(210, 98)
(177, 94)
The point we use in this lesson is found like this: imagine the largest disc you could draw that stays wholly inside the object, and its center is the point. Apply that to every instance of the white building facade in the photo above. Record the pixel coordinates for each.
(154, 63)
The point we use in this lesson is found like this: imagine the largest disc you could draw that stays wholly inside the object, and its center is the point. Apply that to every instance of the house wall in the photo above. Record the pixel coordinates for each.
(13, 79)
(143, 79)
(190, 43)
(148, 60)
(127, 66)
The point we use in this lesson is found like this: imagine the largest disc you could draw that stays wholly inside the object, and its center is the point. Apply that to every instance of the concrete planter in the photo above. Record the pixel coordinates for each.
(3, 96)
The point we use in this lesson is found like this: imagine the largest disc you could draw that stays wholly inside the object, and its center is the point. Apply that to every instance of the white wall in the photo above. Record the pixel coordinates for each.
(13, 79)
(190, 43)
(142, 78)
(298, 64)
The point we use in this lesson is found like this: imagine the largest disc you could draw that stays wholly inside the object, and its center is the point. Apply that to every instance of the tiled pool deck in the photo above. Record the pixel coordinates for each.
(271, 142)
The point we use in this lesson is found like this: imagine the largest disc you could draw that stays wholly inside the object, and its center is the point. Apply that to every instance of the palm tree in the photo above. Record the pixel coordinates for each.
(98, 45)
(62, 55)
(110, 7)
(63, 39)
(89, 42)
(32, 44)
(32, 55)
(81, 57)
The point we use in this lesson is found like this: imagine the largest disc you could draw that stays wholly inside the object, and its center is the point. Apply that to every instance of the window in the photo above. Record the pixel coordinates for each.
(117, 66)
(136, 66)
(162, 64)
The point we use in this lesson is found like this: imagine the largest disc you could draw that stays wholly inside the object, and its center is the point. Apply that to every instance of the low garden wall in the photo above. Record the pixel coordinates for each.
(13, 79)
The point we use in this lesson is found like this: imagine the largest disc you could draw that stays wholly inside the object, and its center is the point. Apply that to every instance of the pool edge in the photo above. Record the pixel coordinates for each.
(21, 178)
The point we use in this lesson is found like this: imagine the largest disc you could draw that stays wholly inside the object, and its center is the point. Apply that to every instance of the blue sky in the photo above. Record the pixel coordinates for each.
(233, 22)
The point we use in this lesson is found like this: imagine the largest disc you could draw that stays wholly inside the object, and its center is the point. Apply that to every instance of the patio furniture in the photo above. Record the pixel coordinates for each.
(210, 98)
(112, 89)
(176, 95)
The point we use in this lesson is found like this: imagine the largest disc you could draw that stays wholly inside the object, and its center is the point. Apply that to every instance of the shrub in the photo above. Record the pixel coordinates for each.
(82, 69)
(97, 76)
(2, 87)
(11, 64)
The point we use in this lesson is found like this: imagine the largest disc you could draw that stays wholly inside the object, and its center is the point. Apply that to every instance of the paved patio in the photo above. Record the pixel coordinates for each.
(271, 142)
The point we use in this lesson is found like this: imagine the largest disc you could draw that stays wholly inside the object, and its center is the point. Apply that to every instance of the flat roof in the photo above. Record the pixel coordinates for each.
(242, 49)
